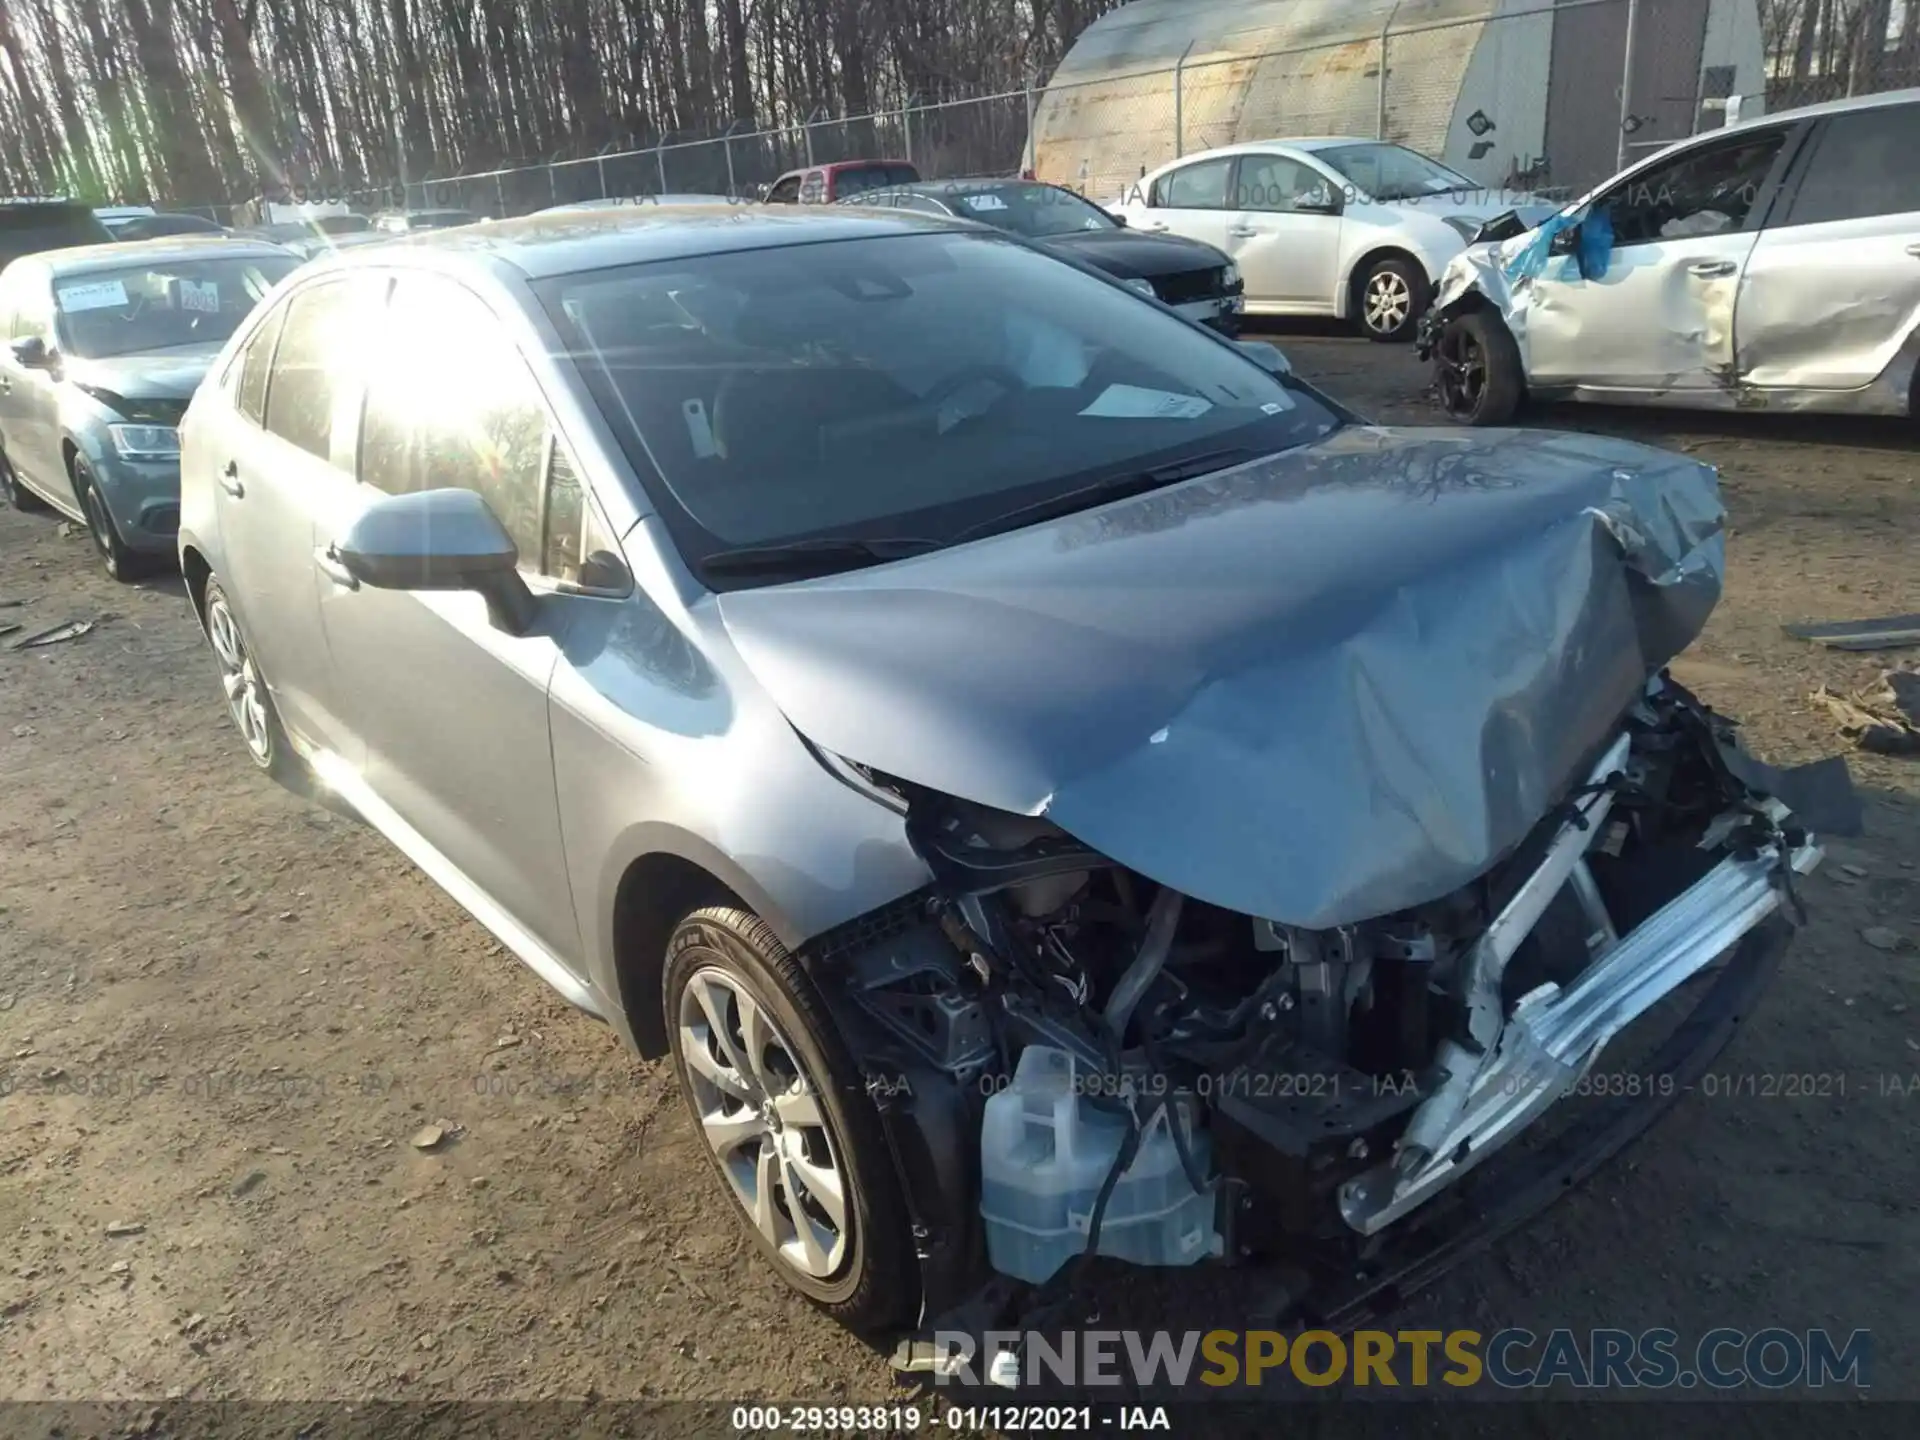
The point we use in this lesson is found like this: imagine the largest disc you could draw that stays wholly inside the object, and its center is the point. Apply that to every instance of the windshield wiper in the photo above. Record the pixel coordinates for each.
(1114, 487)
(815, 552)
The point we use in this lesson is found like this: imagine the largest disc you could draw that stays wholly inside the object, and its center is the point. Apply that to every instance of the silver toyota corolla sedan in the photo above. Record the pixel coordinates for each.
(1055, 784)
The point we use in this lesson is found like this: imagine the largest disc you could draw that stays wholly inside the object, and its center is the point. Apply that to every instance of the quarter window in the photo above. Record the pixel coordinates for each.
(1866, 162)
(451, 405)
(255, 362)
(1200, 186)
(1707, 191)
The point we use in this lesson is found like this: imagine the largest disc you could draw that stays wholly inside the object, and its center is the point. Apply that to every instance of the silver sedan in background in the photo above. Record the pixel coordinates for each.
(984, 727)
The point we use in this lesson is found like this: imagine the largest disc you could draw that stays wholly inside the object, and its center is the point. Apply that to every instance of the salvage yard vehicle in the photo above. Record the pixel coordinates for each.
(1770, 265)
(826, 184)
(32, 224)
(1356, 229)
(106, 344)
(1195, 279)
(1072, 788)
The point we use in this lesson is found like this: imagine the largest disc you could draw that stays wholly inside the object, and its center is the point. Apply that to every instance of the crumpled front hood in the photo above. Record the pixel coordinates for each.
(172, 374)
(1319, 687)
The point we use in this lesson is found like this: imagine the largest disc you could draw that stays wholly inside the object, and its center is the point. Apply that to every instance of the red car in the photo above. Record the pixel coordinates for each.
(824, 184)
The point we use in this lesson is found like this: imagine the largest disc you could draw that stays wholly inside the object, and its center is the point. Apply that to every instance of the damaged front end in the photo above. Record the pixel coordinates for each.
(1078, 1061)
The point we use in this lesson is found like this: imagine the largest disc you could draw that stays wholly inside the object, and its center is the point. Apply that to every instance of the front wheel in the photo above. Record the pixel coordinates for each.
(785, 1118)
(121, 563)
(1392, 297)
(1477, 369)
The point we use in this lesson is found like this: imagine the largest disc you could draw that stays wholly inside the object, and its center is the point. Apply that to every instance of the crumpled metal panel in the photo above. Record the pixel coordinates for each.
(1319, 687)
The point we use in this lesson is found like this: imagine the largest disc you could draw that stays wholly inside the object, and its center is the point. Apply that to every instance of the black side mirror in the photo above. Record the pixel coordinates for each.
(440, 540)
(1318, 202)
(1565, 242)
(1120, 220)
(31, 353)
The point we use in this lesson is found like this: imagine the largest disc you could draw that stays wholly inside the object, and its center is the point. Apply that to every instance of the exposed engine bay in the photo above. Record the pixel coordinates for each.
(1271, 1087)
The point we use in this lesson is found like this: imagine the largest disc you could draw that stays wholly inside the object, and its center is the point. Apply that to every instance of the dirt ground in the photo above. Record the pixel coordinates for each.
(224, 1013)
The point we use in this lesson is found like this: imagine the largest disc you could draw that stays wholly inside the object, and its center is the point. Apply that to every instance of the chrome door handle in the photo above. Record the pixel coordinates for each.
(230, 480)
(1914, 249)
(327, 560)
(1156, 225)
(1712, 269)
(1242, 232)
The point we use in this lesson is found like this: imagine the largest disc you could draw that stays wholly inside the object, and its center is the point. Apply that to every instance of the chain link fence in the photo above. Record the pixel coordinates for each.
(1548, 94)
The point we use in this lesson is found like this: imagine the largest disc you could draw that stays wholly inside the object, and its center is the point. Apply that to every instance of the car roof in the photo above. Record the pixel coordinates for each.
(80, 259)
(1877, 101)
(1307, 143)
(566, 242)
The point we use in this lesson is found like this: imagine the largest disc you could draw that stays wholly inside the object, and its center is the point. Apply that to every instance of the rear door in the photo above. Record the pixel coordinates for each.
(1832, 290)
(1660, 318)
(34, 444)
(1284, 233)
(450, 711)
(1191, 200)
(279, 456)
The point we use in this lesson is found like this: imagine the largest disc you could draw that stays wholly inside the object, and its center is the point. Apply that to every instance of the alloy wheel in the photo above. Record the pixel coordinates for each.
(240, 678)
(1388, 302)
(1462, 371)
(760, 1112)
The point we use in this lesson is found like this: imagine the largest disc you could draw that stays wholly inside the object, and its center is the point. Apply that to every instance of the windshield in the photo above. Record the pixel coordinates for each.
(1036, 210)
(798, 392)
(1393, 172)
(162, 304)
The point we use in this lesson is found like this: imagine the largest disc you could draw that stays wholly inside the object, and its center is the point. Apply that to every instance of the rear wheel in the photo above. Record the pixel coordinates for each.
(1391, 299)
(249, 704)
(121, 563)
(1477, 369)
(14, 493)
(785, 1118)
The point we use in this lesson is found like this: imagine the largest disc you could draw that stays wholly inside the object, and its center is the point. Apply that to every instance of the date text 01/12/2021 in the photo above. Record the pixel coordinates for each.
(965, 1419)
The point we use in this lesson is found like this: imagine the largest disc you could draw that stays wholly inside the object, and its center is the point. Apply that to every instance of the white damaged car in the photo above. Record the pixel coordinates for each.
(1773, 265)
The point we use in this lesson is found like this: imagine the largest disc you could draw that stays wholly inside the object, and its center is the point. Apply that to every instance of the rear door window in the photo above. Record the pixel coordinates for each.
(1863, 163)
(1200, 186)
(813, 189)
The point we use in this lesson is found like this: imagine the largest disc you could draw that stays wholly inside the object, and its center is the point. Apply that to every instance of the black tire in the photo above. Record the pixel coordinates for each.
(1477, 370)
(875, 1284)
(262, 733)
(1389, 300)
(16, 494)
(122, 564)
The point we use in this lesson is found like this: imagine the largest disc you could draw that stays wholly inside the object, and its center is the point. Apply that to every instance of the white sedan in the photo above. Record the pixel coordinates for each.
(1357, 229)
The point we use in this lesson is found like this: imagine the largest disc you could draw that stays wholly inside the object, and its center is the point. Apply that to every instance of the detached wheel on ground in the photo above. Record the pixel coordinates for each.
(121, 563)
(14, 493)
(1391, 298)
(249, 704)
(1477, 369)
(786, 1119)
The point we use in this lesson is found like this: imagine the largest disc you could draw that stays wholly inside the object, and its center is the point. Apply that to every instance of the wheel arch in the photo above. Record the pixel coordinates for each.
(197, 571)
(654, 892)
(1363, 266)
